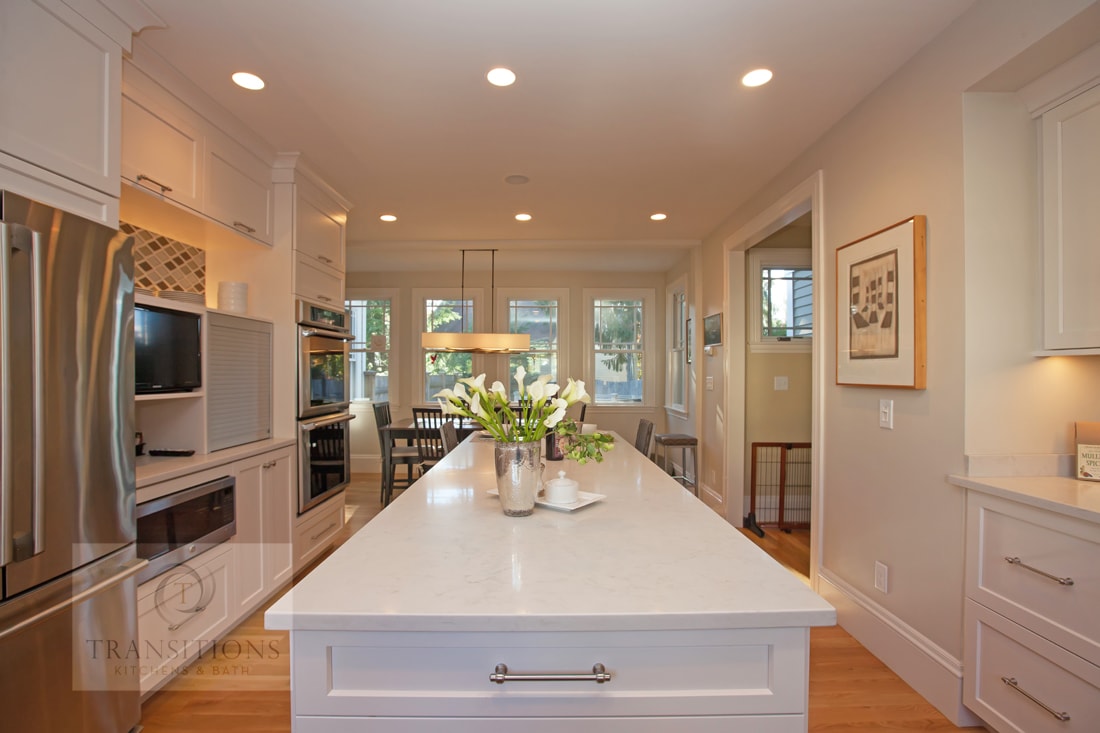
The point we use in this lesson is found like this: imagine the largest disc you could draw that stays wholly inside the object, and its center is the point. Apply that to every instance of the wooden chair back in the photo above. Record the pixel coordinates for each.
(644, 436)
(429, 441)
(449, 435)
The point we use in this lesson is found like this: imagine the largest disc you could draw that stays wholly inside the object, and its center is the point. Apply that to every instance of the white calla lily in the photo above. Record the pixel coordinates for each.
(521, 374)
(498, 389)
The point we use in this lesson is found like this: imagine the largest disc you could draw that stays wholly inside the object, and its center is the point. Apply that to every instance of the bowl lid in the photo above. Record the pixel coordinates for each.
(561, 480)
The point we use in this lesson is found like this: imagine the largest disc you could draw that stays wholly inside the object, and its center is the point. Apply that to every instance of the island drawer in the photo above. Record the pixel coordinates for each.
(1038, 568)
(1013, 673)
(656, 724)
(705, 672)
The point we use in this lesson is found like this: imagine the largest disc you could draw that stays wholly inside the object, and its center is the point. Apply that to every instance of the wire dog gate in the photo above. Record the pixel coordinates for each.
(780, 487)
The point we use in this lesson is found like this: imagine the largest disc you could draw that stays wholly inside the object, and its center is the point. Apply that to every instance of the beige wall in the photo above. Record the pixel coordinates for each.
(772, 415)
(900, 153)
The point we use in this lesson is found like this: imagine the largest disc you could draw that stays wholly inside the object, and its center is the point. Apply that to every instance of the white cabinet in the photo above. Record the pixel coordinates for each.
(315, 282)
(320, 221)
(172, 151)
(238, 188)
(59, 126)
(1032, 643)
(182, 611)
(1071, 223)
(162, 151)
(265, 513)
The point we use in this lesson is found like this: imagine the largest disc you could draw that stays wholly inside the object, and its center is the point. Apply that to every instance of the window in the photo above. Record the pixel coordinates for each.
(781, 309)
(443, 369)
(676, 375)
(539, 319)
(369, 351)
(620, 328)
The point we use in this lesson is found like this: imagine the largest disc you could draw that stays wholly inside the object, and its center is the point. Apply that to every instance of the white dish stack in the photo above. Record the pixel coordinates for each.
(233, 297)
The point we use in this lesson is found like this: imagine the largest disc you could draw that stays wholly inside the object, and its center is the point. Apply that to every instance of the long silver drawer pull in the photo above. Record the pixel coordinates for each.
(245, 227)
(1025, 566)
(163, 189)
(599, 675)
(1011, 682)
(194, 612)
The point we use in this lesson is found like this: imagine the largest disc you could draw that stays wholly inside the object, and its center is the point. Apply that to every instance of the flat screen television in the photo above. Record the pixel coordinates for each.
(167, 350)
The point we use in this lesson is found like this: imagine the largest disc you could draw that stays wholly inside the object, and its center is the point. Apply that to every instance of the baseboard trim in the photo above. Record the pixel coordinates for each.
(935, 674)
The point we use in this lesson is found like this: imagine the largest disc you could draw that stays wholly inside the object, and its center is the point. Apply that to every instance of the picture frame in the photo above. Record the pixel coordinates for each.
(880, 308)
(689, 342)
(712, 330)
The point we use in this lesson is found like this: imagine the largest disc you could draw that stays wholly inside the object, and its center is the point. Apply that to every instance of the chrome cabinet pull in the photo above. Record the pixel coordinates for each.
(599, 675)
(1011, 682)
(192, 613)
(1037, 571)
(163, 189)
(324, 298)
(326, 260)
(245, 227)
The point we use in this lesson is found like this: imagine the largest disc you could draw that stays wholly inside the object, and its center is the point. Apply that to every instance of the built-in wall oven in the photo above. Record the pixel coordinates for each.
(324, 441)
(174, 528)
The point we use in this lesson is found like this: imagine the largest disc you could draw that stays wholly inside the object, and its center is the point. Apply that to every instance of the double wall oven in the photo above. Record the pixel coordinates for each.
(324, 433)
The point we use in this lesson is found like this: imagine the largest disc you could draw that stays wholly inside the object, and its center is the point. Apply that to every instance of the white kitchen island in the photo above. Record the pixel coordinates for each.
(401, 628)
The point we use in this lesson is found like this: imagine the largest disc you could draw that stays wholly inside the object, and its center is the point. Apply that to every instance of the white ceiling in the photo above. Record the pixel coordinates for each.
(621, 108)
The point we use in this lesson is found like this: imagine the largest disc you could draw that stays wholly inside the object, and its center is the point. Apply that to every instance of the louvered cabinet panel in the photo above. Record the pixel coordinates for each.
(238, 391)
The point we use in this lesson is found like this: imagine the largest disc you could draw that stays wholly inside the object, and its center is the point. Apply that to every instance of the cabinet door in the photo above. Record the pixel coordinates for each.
(162, 152)
(249, 540)
(60, 88)
(313, 281)
(238, 189)
(278, 518)
(1071, 223)
(320, 233)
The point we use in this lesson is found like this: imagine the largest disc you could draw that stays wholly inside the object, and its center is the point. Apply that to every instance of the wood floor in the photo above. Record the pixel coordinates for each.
(850, 690)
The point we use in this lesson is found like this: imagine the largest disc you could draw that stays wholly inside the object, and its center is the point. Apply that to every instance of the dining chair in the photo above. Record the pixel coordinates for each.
(644, 435)
(393, 455)
(429, 440)
(450, 436)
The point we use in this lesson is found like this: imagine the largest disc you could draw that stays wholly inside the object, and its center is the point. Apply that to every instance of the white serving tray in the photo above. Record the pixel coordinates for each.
(584, 498)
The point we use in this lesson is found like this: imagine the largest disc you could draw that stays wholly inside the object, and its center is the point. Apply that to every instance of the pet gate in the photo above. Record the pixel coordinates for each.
(780, 486)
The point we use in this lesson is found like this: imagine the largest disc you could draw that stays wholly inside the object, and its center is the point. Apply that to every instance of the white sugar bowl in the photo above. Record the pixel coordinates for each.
(562, 490)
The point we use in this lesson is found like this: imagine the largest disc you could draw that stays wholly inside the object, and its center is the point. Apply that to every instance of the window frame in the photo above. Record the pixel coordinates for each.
(504, 298)
(650, 346)
(394, 339)
(419, 296)
(759, 258)
(677, 352)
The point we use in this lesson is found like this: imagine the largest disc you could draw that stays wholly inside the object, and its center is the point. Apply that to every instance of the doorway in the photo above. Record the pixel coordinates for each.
(805, 202)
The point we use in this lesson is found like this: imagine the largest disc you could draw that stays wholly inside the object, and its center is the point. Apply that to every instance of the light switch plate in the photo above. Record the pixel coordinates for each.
(782, 384)
(886, 414)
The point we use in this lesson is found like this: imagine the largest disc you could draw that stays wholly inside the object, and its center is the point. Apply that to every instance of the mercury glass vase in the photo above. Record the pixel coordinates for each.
(519, 476)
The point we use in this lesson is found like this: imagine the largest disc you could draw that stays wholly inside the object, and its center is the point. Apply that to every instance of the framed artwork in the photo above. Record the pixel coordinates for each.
(689, 343)
(712, 330)
(880, 308)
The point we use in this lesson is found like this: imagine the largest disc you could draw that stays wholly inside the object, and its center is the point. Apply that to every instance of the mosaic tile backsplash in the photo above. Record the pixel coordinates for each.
(163, 265)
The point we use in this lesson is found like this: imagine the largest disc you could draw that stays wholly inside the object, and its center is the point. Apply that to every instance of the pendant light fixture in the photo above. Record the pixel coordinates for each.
(475, 342)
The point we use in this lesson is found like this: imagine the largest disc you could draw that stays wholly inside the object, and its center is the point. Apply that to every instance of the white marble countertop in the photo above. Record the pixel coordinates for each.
(651, 556)
(154, 469)
(1059, 494)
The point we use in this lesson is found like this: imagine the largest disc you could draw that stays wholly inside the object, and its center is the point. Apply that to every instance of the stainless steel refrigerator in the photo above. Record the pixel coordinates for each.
(68, 619)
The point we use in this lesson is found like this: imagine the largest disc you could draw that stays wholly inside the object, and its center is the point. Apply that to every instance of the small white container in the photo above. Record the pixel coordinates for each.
(233, 297)
(562, 490)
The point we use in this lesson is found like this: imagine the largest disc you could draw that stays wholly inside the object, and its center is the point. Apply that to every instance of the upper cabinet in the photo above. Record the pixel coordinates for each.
(1071, 223)
(59, 122)
(173, 152)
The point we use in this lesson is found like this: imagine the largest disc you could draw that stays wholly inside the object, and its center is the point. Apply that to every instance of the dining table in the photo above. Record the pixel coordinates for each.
(405, 430)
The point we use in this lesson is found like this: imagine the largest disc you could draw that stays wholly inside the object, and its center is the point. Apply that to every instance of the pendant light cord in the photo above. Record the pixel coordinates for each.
(492, 289)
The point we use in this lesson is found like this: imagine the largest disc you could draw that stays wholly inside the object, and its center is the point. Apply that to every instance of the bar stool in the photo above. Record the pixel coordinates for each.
(663, 443)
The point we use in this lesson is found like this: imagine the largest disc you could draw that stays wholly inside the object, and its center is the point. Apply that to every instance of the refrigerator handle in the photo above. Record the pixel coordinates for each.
(38, 420)
(6, 459)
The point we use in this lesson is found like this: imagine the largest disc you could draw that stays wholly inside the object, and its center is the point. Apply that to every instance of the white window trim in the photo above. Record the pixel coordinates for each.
(758, 258)
(559, 294)
(677, 287)
(481, 322)
(650, 354)
(394, 350)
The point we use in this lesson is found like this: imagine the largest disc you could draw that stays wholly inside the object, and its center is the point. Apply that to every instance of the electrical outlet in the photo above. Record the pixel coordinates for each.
(886, 414)
(782, 384)
(881, 577)
(710, 384)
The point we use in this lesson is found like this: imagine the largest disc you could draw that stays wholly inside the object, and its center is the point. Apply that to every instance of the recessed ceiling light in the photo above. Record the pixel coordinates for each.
(757, 77)
(248, 81)
(501, 77)
(658, 217)
(516, 180)
(523, 217)
(388, 217)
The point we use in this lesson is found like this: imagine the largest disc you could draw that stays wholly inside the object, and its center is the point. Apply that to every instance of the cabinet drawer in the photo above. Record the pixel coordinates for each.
(1054, 544)
(757, 672)
(316, 529)
(314, 281)
(1000, 650)
(652, 724)
(181, 612)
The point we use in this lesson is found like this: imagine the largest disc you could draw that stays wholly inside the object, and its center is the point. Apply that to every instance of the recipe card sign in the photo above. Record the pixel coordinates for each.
(1088, 450)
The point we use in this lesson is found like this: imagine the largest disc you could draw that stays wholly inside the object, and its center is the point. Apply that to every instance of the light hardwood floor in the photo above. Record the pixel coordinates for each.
(850, 690)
